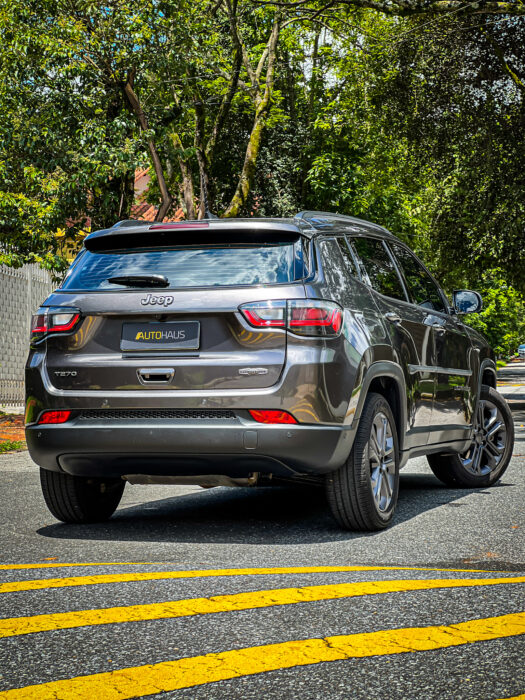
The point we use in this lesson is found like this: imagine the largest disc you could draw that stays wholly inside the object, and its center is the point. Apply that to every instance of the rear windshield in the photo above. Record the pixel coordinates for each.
(203, 266)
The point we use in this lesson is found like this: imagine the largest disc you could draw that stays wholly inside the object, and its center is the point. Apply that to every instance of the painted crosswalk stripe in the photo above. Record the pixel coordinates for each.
(10, 627)
(188, 672)
(38, 584)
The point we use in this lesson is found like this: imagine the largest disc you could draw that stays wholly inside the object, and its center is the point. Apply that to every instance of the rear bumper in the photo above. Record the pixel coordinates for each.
(187, 448)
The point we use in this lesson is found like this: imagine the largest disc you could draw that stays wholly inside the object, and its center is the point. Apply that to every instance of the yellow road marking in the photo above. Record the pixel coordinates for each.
(14, 626)
(9, 567)
(37, 584)
(166, 676)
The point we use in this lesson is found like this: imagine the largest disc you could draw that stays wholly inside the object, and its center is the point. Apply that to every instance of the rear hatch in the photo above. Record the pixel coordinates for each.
(169, 319)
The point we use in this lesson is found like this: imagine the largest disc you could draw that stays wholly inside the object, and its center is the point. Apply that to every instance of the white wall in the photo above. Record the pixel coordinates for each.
(22, 291)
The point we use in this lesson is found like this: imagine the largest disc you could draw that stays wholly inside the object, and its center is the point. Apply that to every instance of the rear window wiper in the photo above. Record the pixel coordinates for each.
(141, 280)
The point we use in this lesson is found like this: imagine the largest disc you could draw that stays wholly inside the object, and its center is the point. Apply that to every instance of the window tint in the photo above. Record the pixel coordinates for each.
(334, 269)
(191, 266)
(420, 285)
(380, 268)
(347, 257)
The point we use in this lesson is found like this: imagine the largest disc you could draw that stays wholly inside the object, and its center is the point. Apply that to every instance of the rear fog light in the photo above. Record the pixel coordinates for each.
(272, 417)
(53, 417)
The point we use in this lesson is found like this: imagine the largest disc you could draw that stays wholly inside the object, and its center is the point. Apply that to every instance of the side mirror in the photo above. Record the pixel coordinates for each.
(466, 301)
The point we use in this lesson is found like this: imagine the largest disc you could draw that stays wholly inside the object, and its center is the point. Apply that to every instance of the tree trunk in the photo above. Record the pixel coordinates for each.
(224, 108)
(188, 194)
(202, 161)
(248, 171)
(135, 105)
(263, 103)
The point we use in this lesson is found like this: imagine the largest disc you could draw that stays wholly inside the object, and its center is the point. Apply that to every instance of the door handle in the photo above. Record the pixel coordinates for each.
(392, 317)
(157, 375)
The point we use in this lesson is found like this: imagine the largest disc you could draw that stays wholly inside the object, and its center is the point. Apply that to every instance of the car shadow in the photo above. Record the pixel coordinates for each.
(260, 516)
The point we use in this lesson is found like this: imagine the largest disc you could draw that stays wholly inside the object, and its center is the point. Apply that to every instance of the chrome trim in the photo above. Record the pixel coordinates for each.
(148, 376)
(152, 394)
(439, 370)
(250, 371)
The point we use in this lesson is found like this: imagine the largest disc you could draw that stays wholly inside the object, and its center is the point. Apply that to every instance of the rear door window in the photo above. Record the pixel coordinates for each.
(187, 266)
(333, 265)
(380, 268)
(348, 257)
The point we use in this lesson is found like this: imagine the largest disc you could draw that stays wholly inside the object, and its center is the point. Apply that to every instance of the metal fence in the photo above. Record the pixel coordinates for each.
(22, 291)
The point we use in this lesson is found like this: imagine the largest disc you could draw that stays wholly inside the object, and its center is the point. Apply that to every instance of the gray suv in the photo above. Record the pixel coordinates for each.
(255, 351)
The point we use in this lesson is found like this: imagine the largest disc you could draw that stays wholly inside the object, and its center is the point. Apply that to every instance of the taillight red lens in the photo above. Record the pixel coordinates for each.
(311, 317)
(38, 323)
(272, 417)
(53, 417)
(60, 323)
(53, 319)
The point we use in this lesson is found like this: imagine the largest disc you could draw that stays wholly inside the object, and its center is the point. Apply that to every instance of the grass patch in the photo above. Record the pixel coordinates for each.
(11, 445)
(500, 364)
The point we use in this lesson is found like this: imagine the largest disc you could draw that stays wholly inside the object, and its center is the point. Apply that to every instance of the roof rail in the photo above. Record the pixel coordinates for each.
(322, 220)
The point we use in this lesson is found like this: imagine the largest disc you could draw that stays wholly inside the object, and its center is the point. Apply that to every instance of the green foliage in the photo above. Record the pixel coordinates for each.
(414, 123)
(502, 320)
(11, 446)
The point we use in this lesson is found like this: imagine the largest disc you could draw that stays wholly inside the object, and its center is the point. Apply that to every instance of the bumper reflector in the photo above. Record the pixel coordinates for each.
(272, 417)
(53, 417)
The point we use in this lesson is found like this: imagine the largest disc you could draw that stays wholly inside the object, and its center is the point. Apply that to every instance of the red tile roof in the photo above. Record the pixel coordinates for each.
(147, 212)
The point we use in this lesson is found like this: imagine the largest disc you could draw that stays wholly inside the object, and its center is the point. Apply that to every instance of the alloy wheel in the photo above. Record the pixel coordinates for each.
(489, 442)
(382, 462)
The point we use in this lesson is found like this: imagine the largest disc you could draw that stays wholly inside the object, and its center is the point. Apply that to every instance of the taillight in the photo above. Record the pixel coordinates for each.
(53, 417)
(272, 417)
(263, 314)
(311, 317)
(49, 320)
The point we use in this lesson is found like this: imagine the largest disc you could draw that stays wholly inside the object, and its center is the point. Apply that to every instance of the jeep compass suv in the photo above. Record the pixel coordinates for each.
(237, 352)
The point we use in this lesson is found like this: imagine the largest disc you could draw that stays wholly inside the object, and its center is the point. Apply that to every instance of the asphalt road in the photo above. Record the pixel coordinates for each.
(281, 624)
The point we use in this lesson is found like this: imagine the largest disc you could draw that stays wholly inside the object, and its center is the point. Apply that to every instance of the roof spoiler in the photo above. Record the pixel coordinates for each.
(141, 234)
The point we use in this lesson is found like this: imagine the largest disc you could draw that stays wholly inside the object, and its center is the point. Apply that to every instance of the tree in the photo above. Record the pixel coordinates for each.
(400, 8)
(448, 94)
(143, 80)
(411, 120)
(67, 151)
(502, 320)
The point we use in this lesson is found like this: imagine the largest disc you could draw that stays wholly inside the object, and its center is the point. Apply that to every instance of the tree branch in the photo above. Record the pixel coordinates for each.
(224, 108)
(262, 102)
(239, 43)
(405, 8)
(516, 79)
(135, 105)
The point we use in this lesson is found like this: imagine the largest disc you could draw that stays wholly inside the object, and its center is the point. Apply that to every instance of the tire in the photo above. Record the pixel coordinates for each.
(489, 455)
(77, 499)
(350, 489)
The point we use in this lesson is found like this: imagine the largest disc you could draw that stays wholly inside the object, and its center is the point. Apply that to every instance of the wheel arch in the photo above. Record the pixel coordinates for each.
(487, 374)
(386, 378)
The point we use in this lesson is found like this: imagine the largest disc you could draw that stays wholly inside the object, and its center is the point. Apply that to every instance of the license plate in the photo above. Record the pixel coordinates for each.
(173, 335)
